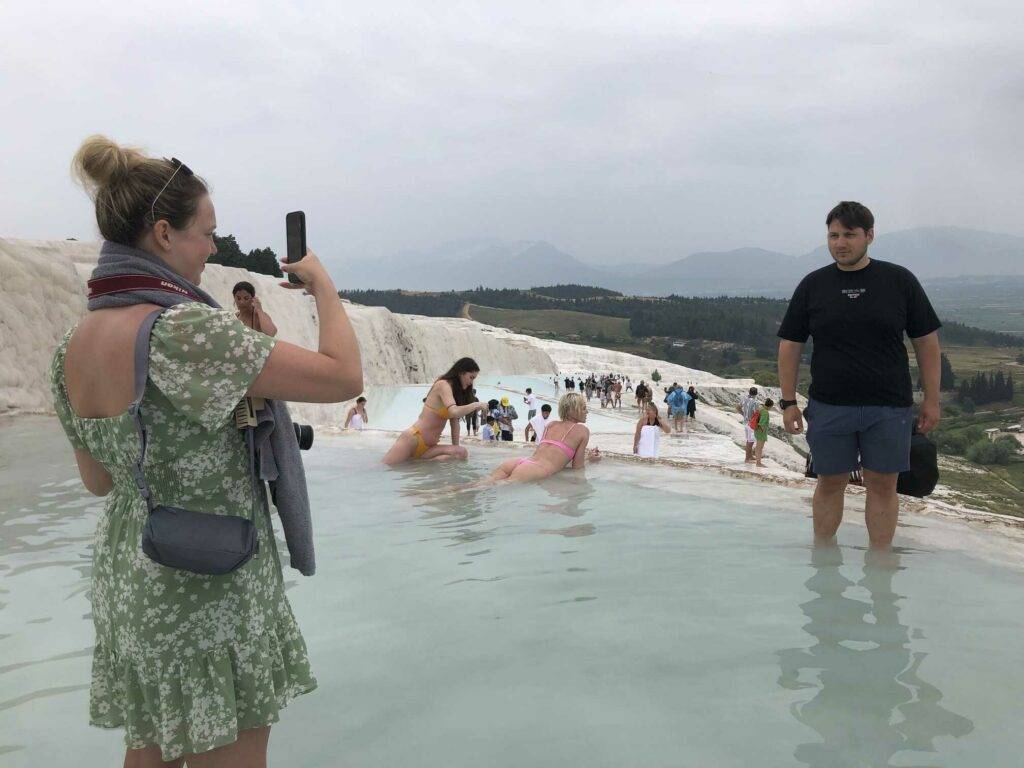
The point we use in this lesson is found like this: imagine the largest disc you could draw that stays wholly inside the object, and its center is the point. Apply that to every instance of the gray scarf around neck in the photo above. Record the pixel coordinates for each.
(280, 460)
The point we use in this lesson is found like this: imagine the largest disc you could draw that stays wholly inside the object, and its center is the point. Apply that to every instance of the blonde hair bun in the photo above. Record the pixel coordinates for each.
(101, 163)
(131, 191)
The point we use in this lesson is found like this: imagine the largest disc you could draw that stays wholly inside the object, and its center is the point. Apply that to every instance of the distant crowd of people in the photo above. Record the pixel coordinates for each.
(608, 388)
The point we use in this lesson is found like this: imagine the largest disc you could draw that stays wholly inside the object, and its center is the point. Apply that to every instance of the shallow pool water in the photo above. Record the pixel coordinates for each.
(397, 408)
(637, 616)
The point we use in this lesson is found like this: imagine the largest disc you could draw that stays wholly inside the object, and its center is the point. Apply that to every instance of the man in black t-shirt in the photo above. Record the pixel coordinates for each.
(859, 412)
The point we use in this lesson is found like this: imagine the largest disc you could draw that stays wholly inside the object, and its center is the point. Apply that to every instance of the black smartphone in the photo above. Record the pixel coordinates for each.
(295, 227)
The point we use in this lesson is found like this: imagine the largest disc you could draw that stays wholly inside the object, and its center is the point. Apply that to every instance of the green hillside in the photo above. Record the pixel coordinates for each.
(561, 324)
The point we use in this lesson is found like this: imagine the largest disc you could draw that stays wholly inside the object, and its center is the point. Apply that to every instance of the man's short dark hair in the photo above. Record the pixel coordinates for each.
(851, 215)
(545, 408)
(752, 391)
(245, 285)
(529, 391)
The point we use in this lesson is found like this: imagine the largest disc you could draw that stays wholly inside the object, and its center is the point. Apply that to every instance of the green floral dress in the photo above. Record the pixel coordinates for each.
(185, 661)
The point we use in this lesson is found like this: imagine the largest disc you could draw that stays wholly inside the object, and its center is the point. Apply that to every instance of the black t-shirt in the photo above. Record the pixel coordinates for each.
(857, 320)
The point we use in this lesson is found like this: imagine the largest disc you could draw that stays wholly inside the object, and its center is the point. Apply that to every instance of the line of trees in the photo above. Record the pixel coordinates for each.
(409, 303)
(953, 332)
(986, 388)
(229, 253)
(744, 320)
(573, 291)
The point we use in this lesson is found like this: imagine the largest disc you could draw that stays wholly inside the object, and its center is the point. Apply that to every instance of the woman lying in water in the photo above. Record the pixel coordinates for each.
(446, 401)
(564, 444)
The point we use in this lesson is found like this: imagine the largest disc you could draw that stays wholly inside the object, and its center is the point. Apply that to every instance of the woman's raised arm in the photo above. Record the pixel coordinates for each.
(334, 373)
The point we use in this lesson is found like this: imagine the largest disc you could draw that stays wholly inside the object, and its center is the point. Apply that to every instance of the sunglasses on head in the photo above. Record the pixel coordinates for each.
(178, 166)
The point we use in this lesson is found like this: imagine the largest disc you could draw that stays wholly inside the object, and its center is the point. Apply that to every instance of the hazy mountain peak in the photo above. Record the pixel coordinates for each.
(930, 252)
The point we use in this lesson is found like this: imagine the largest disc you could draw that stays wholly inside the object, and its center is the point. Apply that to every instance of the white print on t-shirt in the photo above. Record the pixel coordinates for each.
(854, 293)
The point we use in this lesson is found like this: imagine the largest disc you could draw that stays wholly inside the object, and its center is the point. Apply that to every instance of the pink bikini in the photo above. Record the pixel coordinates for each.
(570, 454)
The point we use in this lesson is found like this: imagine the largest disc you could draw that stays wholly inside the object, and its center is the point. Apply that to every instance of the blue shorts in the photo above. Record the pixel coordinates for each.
(845, 437)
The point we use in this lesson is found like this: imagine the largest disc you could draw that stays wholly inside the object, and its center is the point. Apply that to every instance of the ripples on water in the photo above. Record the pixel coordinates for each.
(637, 616)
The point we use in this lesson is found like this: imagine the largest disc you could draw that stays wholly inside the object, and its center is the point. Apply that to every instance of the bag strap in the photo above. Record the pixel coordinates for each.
(135, 411)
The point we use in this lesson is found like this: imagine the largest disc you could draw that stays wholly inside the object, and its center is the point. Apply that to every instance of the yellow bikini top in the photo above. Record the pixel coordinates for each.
(442, 411)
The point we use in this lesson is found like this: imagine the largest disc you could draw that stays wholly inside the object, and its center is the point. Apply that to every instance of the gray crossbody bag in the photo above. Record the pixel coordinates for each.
(179, 538)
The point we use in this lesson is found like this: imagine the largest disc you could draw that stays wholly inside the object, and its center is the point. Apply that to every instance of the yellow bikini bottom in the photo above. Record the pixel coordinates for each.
(421, 444)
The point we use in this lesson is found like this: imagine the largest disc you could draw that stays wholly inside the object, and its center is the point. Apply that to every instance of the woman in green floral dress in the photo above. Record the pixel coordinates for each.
(194, 668)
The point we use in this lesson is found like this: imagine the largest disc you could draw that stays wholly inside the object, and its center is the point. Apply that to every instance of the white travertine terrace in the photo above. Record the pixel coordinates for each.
(43, 293)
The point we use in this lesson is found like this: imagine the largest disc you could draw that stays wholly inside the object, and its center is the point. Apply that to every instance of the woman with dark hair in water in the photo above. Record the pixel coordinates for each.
(250, 311)
(447, 400)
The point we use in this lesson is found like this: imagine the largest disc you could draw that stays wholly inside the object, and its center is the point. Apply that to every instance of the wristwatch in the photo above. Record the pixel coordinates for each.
(784, 404)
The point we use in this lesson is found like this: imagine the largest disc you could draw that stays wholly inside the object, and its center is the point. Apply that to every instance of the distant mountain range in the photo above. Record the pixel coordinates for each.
(930, 252)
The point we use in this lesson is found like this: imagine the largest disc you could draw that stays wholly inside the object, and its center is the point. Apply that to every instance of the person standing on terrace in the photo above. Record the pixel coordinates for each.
(473, 419)
(859, 409)
(748, 407)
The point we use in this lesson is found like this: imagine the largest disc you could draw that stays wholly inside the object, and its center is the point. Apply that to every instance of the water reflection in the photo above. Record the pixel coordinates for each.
(461, 516)
(568, 493)
(871, 702)
(455, 517)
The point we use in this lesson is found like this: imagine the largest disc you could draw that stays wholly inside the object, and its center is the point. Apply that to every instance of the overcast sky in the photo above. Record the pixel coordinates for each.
(636, 132)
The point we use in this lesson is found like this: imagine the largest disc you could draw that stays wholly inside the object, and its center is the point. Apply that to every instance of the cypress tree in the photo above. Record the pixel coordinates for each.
(947, 380)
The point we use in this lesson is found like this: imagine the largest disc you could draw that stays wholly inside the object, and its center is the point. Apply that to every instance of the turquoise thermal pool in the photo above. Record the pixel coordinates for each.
(637, 616)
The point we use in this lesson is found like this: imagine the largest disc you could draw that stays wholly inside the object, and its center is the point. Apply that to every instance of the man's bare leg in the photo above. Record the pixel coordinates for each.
(750, 453)
(828, 505)
(881, 510)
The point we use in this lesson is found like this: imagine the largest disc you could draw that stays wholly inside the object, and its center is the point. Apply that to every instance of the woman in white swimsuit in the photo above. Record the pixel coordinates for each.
(357, 418)
(647, 437)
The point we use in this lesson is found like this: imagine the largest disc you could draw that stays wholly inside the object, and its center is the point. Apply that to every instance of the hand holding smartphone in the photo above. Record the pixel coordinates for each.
(295, 229)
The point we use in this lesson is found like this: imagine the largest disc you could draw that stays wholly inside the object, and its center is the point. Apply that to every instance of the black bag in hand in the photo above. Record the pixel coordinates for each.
(922, 477)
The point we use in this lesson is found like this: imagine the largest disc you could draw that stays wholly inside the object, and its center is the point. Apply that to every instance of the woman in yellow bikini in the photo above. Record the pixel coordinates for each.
(447, 401)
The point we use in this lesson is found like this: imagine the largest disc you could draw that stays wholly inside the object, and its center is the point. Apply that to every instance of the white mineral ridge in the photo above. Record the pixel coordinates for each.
(43, 294)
